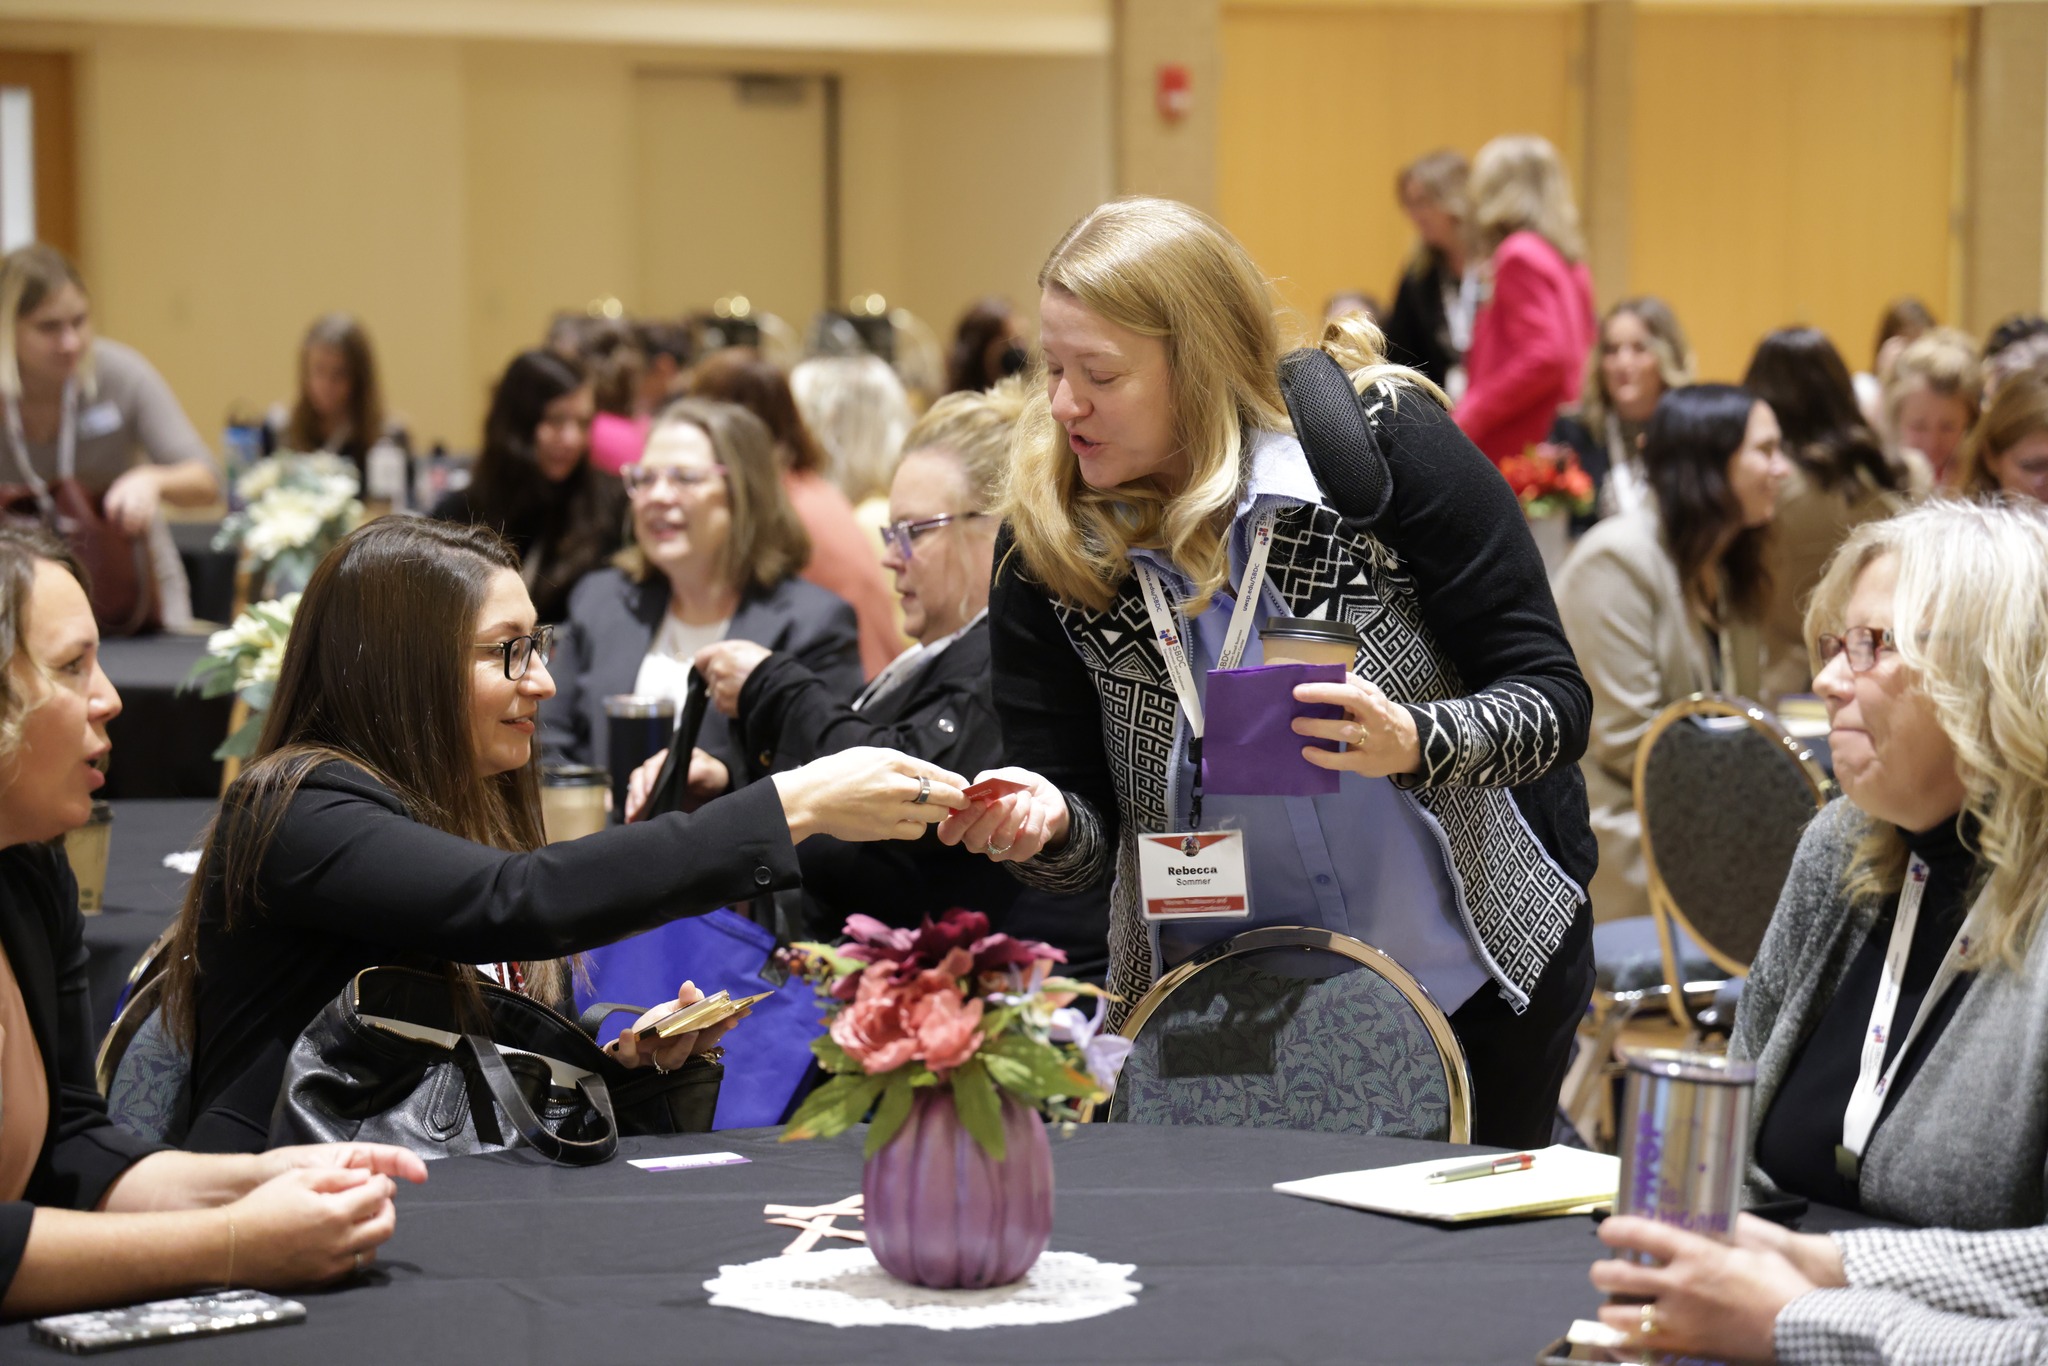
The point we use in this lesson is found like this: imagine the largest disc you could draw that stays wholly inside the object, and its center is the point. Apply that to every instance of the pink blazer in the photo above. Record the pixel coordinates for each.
(1529, 347)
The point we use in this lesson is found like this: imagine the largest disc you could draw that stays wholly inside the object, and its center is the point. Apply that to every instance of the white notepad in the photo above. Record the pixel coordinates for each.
(1560, 1181)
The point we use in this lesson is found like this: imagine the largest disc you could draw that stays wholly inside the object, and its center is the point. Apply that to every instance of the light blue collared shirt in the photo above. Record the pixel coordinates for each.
(1366, 860)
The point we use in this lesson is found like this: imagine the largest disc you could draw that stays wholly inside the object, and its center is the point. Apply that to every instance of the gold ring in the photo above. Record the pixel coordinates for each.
(1647, 1325)
(1358, 732)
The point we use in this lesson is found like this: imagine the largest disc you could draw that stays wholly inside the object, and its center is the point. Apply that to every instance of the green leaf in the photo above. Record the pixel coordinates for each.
(1035, 1071)
(890, 1114)
(242, 743)
(832, 1057)
(980, 1108)
(834, 1108)
(841, 965)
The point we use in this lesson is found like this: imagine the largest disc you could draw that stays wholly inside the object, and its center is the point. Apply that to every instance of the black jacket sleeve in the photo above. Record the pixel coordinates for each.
(789, 715)
(1415, 326)
(1052, 724)
(348, 862)
(1485, 599)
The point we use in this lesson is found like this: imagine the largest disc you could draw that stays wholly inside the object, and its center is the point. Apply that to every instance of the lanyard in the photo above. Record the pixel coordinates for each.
(1873, 1077)
(1168, 633)
(67, 444)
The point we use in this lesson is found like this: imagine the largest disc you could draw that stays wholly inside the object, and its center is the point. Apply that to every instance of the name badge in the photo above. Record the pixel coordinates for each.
(1194, 875)
(99, 420)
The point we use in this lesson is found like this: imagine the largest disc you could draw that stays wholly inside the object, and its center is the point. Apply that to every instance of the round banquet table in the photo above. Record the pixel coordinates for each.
(502, 1260)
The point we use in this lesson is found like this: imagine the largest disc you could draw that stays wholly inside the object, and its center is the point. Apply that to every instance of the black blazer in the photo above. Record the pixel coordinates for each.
(1416, 330)
(612, 621)
(351, 881)
(944, 712)
(44, 936)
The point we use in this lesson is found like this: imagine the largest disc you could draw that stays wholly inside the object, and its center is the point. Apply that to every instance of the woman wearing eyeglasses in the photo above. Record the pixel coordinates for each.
(1897, 1011)
(391, 816)
(715, 556)
(933, 700)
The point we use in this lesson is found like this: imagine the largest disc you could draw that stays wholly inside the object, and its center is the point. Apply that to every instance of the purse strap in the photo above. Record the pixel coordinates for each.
(551, 1145)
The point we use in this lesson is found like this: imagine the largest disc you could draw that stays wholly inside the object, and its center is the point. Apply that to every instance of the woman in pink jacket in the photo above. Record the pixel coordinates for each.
(1530, 339)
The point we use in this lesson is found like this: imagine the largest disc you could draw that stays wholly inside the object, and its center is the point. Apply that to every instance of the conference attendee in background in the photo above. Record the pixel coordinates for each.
(1872, 1296)
(1535, 322)
(1641, 356)
(391, 815)
(1842, 476)
(1904, 320)
(989, 345)
(843, 555)
(2008, 450)
(1912, 914)
(859, 412)
(2018, 343)
(80, 406)
(340, 409)
(1160, 445)
(1431, 325)
(534, 484)
(714, 556)
(1665, 600)
(1930, 399)
(91, 1215)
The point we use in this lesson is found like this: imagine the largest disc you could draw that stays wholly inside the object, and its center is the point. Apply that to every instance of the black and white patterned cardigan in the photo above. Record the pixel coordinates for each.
(1459, 626)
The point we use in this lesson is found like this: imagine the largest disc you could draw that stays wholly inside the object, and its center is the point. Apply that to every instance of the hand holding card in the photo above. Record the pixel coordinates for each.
(988, 789)
(1012, 814)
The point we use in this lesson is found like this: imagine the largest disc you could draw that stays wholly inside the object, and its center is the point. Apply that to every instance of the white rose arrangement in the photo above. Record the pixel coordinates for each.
(296, 507)
(244, 660)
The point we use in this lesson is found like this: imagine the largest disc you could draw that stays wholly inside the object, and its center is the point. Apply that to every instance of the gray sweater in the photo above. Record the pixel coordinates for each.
(1965, 1144)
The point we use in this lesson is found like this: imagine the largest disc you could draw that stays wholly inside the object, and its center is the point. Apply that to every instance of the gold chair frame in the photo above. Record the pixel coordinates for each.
(145, 993)
(1458, 1081)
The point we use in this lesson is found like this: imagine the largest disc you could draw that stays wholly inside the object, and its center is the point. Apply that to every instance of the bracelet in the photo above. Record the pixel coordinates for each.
(228, 1282)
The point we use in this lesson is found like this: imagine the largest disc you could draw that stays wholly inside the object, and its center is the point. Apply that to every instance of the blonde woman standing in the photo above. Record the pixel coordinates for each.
(1159, 456)
(1530, 338)
(1913, 910)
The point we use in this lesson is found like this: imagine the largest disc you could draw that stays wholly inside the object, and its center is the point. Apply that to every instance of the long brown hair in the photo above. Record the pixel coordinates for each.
(342, 333)
(377, 673)
(1691, 438)
(1800, 374)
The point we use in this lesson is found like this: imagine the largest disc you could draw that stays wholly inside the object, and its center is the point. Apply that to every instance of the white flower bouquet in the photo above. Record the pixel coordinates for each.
(244, 660)
(296, 507)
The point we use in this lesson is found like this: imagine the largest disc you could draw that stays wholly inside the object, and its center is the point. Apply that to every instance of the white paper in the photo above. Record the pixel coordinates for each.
(1560, 1179)
(686, 1161)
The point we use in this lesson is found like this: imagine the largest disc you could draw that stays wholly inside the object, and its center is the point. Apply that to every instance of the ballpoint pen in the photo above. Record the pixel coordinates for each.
(1492, 1166)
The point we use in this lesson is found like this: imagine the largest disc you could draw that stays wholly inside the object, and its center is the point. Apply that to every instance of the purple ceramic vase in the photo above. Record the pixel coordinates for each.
(940, 1212)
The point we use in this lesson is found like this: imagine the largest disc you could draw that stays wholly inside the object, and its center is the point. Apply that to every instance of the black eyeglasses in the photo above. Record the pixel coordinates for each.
(520, 651)
(905, 535)
(1860, 643)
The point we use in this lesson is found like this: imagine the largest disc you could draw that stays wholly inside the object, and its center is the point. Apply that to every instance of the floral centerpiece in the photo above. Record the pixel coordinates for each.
(294, 509)
(957, 1040)
(244, 660)
(1548, 479)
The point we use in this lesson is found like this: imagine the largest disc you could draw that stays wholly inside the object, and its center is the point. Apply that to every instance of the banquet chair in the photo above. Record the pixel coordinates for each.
(1723, 795)
(1287, 1027)
(143, 1073)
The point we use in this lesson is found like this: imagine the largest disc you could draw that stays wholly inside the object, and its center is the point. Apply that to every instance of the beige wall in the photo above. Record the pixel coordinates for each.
(456, 192)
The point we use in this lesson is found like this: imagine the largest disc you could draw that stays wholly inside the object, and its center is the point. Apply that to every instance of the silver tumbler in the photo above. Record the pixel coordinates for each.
(1684, 1139)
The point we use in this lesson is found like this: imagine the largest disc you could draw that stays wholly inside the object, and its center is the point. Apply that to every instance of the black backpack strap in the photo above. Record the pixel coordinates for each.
(1342, 450)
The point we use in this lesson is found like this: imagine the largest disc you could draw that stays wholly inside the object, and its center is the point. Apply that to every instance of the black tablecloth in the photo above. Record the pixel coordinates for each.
(164, 738)
(210, 572)
(503, 1260)
(142, 895)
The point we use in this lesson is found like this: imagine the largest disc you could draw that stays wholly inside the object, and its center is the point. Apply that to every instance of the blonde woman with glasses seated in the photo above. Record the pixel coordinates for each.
(715, 556)
(1898, 1008)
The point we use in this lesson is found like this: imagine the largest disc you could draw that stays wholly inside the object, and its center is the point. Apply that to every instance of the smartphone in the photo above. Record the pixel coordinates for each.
(698, 1015)
(195, 1316)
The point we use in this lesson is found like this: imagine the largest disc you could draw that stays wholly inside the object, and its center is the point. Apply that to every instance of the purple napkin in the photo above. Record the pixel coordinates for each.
(1251, 749)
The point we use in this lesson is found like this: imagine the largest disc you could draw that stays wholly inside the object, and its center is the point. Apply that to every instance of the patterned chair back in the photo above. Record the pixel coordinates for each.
(1293, 1028)
(147, 1076)
(1723, 794)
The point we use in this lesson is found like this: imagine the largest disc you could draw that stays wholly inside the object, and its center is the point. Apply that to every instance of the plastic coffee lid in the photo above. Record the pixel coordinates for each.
(1680, 1064)
(574, 775)
(1309, 628)
(631, 704)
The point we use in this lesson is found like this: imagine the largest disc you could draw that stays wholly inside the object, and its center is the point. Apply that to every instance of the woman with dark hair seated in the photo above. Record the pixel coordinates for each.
(340, 408)
(933, 700)
(715, 554)
(90, 1214)
(534, 483)
(1663, 601)
(391, 815)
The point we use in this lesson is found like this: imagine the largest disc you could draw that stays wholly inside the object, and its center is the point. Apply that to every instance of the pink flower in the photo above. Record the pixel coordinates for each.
(873, 1030)
(948, 1030)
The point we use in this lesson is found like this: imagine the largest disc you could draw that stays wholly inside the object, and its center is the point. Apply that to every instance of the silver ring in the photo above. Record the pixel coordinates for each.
(1001, 849)
(924, 791)
(1647, 1325)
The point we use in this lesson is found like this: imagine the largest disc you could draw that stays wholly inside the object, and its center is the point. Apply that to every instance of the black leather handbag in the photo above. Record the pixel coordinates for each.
(391, 1060)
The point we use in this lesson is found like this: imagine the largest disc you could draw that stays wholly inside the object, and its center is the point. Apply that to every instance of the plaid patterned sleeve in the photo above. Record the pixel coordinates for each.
(1999, 1274)
(1076, 865)
(1859, 1327)
(1502, 736)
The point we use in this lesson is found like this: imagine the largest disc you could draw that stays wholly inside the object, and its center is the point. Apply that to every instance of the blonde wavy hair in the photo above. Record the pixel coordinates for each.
(28, 276)
(1519, 182)
(24, 685)
(1944, 361)
(2017, 411)
(974, 426)
(1675, 364)
(1970, 613)
(1161, 269)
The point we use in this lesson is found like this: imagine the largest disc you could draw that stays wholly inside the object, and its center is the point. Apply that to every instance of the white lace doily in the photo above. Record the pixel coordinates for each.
(847, 1288)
